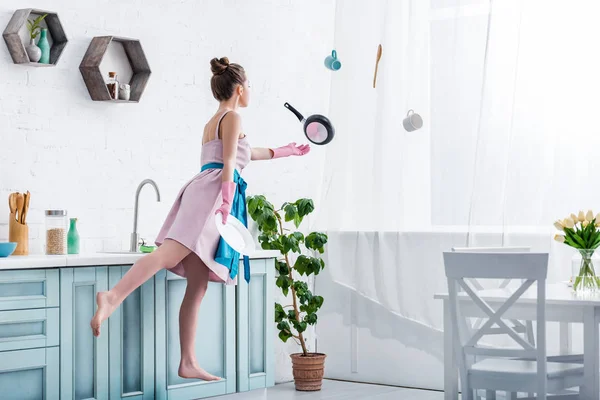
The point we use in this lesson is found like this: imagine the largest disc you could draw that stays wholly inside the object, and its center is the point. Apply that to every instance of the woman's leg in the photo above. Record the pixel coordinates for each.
(166, 256)
(196, 273)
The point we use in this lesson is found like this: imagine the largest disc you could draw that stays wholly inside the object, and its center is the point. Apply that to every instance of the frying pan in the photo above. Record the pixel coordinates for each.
(317, 128)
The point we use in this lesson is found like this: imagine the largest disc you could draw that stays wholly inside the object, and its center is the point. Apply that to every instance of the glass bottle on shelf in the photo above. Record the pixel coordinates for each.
(113, 85)
(73, 238)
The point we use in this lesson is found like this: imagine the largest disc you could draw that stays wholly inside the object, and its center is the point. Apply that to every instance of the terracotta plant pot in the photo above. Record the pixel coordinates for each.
(308, 371)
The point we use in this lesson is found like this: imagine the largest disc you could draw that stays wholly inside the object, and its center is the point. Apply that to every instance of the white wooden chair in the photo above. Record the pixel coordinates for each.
(501, 370)
(525, 327)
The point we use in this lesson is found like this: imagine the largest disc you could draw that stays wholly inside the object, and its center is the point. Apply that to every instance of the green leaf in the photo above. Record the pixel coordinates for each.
(284, 282)
(299, 326)
(282, 268)
(305, 207)
(297, 221)
(279, 313)
(284, 336)
(318, 300)
(252, 206)
(316, 241)
(290, 243)
(284, 326)
(315, 264)
(302, 264)
(291, 212)
(291, 315)
(299, 236)
(311, 319)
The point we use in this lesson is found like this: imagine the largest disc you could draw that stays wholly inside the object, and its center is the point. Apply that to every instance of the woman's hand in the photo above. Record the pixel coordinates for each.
(227, 193)
(291, 150)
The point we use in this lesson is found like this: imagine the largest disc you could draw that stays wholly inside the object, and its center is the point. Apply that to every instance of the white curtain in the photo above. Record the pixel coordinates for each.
(508, 93)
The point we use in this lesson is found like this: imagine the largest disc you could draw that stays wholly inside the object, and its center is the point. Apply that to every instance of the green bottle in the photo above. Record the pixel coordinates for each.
(73, 238)
(44, 45)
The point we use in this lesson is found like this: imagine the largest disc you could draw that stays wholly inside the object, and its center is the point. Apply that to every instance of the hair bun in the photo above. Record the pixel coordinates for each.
(219, 65)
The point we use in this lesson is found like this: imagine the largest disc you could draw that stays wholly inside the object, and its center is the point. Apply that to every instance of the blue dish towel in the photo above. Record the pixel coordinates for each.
(225, 254)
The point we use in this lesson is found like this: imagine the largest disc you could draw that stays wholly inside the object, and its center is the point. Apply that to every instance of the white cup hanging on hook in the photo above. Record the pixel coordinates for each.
(412, 122)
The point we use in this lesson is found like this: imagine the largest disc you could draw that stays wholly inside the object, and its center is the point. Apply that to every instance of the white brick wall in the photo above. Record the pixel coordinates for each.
(88, 157)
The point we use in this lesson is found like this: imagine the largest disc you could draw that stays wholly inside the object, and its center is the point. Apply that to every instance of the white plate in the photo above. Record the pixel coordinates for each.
(235, 234)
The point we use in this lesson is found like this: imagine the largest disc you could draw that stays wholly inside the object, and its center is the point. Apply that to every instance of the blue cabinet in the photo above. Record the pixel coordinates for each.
(84, 358)
(131, 338)
(48, 351)
(215, 339)
(20, 290)
(255, 319)
(29, 329)
(30, 374)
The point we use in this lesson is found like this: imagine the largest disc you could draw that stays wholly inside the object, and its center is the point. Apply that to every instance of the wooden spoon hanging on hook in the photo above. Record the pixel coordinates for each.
(379, 51)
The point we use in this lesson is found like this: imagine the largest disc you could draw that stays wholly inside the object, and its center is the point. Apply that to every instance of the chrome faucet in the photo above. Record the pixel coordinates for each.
(135, 238)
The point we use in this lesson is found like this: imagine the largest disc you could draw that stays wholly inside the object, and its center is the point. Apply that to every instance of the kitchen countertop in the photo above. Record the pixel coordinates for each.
(92, 259)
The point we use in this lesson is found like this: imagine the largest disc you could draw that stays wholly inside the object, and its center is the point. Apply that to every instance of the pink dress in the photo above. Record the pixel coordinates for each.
(191, 219)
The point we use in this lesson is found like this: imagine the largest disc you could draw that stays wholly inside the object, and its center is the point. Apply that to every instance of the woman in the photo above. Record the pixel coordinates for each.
(189, 240)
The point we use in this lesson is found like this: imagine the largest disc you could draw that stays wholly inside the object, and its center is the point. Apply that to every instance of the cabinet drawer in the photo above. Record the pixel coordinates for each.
(28, 329)
(21, 290)
(29, 374)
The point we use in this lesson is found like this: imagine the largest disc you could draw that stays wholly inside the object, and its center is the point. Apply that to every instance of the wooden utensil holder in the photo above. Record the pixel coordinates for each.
(19, 233)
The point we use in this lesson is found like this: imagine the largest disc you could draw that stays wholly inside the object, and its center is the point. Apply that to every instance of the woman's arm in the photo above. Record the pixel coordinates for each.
(261, 153)
(231, 126)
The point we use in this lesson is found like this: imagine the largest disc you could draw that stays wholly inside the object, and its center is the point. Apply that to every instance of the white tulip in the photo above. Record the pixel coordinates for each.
(581, 216)
(559, 238)
(574, 218)
(585, 223)
(559, 225)
(569, 223)
(589, 216)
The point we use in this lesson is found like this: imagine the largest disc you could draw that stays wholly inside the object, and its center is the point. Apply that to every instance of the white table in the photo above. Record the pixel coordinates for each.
(562, 305)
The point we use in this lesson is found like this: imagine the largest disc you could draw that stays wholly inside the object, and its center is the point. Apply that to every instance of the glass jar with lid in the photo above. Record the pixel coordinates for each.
(56, 232)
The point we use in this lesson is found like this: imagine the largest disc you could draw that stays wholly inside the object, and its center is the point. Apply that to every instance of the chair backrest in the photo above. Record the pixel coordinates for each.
(522, 249)
(505, 282)
(529, 267)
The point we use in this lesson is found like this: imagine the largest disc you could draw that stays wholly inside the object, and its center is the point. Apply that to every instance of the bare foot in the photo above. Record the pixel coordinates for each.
(190, 370)
(105, 308)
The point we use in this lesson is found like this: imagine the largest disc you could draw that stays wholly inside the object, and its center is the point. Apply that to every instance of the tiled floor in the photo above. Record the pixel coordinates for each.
(336, 390)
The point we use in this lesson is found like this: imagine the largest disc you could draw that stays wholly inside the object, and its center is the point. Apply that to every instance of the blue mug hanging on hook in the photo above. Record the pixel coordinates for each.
(332, 62)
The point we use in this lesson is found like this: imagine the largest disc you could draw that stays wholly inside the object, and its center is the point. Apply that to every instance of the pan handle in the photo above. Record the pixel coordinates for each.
(296, 112)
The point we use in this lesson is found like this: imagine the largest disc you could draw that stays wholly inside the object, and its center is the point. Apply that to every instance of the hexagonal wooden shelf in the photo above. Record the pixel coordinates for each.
(15, 44)
(94, 81)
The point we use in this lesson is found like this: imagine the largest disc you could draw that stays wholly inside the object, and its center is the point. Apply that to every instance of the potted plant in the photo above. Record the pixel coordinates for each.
(34, 28)
(582, 232)
(293, 320)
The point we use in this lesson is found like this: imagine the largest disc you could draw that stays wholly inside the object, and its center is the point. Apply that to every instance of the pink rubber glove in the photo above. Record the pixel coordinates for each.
(291, 150)
(227, 191)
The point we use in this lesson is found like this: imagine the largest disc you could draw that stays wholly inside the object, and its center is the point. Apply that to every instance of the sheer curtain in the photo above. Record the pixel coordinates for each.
(508, 92)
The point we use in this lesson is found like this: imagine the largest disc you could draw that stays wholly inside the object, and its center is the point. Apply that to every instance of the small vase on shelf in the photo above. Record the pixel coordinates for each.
(73, 238)
(44, 46)
(33, 52)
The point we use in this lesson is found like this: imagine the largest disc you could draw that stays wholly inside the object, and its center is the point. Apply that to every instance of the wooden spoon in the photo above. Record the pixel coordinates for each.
(379, 51)
(20, 205)
(12, 204)
(26, 208)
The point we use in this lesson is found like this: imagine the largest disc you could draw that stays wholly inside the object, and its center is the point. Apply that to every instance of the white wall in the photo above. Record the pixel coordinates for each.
(88, 157)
